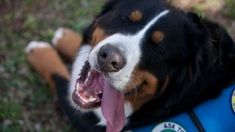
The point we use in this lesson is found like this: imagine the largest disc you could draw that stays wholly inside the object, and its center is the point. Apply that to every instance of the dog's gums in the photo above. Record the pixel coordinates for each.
(88, 89)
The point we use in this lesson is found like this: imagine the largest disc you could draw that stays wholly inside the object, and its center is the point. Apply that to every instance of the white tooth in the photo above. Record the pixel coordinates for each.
(77, 93)
(83, 102)
(91, 99)
(88, 76)
(86, 80)
(98, 92)
(77, 85)
(89, 73)
(83, 99)
(78, 88)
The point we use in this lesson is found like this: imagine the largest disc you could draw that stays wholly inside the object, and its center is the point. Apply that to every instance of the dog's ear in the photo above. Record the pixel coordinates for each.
(107, 7)
(212, 39)
(193, 17)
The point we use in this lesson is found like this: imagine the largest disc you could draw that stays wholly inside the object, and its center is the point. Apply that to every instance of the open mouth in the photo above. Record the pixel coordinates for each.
(88, 89)
(93, 90)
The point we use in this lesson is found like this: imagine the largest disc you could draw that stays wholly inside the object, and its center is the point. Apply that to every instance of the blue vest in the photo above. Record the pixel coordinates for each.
(217, 115)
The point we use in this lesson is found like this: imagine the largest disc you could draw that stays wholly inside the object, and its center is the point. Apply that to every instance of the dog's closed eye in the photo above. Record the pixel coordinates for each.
(125, 20)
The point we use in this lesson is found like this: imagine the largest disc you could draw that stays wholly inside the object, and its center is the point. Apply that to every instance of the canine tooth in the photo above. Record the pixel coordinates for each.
(78, 87)
(89, 73)
(83, 100)
(86, 80)
(98, 92)
(77, 93)
(91, 99)
(87, 100)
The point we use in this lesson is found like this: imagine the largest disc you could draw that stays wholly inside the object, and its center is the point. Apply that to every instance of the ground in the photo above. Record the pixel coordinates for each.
(25, 101)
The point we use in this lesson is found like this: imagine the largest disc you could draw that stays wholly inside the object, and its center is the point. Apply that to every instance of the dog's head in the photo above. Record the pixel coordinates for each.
(139, 46)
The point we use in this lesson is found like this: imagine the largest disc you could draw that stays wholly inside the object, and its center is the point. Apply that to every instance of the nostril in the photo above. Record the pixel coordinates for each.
(115, 65)
(103, 54)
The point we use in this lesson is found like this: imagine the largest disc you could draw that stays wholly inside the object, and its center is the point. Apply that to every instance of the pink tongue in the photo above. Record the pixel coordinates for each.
(112, 106)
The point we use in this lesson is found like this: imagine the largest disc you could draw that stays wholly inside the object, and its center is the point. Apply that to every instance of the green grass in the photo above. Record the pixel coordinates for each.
(25, 100)
(230, 8)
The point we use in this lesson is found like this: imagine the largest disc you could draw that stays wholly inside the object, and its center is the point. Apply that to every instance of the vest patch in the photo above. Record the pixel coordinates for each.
(168, 127)
(233, 100)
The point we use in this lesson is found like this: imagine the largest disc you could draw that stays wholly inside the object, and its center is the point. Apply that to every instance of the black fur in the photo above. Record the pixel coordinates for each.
(199, 58)
(198, 55)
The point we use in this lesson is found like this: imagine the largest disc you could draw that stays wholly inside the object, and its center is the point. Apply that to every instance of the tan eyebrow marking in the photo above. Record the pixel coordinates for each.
(98, 35)
(135, 16)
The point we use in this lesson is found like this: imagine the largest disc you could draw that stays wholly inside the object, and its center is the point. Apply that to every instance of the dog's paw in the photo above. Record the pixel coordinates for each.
(66, 42)
(57, 36)
(46, 61)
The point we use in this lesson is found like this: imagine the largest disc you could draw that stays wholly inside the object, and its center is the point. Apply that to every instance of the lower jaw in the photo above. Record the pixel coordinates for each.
(82, 104)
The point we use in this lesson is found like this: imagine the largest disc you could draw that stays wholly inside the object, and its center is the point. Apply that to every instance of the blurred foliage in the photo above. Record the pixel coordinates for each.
(230, 8)
(25, 101)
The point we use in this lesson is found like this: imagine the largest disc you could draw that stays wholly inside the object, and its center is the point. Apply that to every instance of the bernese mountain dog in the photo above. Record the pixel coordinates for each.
(143, 61)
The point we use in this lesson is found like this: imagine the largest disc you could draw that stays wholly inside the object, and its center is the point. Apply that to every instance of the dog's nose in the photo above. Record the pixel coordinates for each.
(110, 59)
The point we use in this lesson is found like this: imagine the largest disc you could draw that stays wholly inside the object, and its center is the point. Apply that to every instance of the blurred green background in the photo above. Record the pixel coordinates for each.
(25, 101)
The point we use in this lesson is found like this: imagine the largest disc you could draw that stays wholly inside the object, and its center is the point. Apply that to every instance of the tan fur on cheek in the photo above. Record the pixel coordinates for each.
(97, 36)
(146, 92)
